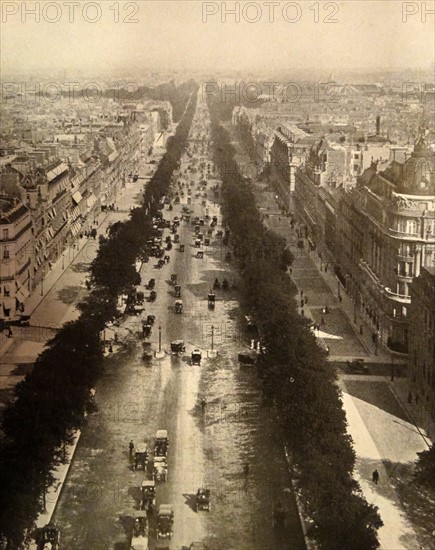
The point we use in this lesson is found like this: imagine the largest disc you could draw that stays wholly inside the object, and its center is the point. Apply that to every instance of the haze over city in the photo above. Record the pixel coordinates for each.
(204, 36)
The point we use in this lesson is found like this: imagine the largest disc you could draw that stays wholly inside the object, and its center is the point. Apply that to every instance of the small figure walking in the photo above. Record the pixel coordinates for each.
(131, 447)
(10, 332)
(375, 476)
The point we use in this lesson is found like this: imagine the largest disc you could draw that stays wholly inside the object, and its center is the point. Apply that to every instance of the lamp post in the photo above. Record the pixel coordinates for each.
(160, 338)
(212, 334)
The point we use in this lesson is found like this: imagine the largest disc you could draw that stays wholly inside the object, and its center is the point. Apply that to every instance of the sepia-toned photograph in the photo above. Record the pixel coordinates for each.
(217, 275)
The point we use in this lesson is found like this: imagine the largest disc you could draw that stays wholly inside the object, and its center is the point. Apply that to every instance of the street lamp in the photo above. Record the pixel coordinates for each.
(160, 338)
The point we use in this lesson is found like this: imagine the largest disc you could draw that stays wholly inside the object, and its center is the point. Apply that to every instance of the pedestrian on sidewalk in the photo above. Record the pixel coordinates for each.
(375, 477)
(322, 321)
(131, 448)
(9, 332)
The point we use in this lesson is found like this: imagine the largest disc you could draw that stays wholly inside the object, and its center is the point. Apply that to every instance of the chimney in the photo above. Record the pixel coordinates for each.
(378, 125)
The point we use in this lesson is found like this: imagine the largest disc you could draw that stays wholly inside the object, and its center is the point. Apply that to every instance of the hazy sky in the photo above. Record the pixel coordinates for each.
(179, 35)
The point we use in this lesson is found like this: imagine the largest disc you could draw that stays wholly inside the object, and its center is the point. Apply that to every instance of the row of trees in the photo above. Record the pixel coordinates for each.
(294, 370)
(51, 402)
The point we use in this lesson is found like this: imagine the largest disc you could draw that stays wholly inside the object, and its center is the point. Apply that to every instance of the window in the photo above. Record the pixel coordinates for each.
(411, 226)
(404, 311)
(5, 234)
(5, 254)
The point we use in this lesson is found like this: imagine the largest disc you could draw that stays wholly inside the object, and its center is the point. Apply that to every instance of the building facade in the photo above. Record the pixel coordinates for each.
(421, 363)
(385, 236)
(16, 249)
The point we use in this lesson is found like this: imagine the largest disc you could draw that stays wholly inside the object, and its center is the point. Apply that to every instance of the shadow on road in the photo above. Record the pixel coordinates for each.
(190, 500)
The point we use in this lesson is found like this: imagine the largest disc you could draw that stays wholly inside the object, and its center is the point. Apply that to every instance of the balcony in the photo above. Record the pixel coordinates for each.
(404, 235)
(400, 298)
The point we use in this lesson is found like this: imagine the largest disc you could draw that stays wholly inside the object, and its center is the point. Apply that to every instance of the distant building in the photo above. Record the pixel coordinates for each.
(284, 162)
(422, 347)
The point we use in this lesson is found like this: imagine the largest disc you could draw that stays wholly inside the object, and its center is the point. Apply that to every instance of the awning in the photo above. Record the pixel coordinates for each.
(22, 294)
(75, 228)
(74, 214)
(91, 200)
(77, 197)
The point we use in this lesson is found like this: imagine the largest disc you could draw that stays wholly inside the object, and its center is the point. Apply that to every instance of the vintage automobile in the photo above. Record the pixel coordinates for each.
(248, 357)
(177, 291)
(177, 346)
(139, 539)
(216, 284)
(357, 366)
(211, 300)
(160, 468)
(141, 456)
(146, 329)
(147, 355)
(195, 357)
(161, 443)
(207, 241)
(197, 243)
(148, 500)
(200, 254)
(176, 238)
(150, 319)
(153, 296)
(151, 283)
(178, 306)
(181, 247)
(49, 538)
(173, 279)
(132, 309)
(165, 521)
(203, 499)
